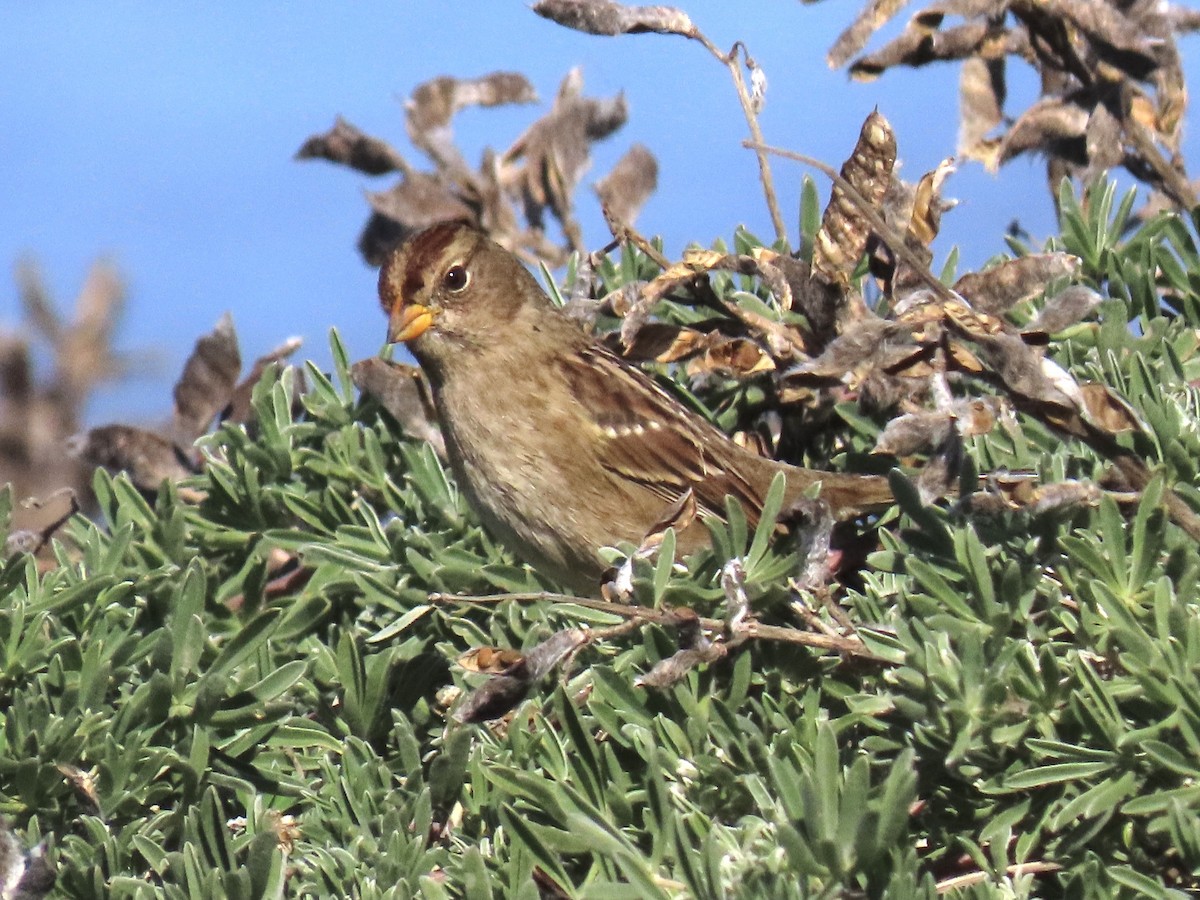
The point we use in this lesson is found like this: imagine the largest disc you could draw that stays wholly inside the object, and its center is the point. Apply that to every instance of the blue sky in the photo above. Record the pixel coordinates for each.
(161, 137)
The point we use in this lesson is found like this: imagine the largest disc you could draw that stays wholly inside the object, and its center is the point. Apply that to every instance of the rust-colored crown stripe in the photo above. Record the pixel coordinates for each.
(423, 252)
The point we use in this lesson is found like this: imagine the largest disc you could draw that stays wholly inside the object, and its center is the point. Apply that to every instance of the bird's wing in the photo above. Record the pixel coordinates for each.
(648, 437)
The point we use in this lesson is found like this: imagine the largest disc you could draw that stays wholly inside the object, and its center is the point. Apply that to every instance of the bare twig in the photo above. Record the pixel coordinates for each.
(757, 144)
(946, 885)
(623, 233)
(732, 61)
(846, 646)
(46, 533)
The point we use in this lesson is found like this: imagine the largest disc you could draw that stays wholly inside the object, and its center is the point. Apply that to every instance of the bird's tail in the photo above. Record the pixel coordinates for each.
(847, 495)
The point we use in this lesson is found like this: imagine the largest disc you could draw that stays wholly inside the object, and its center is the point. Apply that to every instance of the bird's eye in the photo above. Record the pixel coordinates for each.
(456, 278)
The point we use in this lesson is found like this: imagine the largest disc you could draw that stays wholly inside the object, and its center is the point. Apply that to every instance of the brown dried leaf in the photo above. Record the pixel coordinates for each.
(1027, 374)
(16, 373)
(855, 348)
(941, 474)
(1149, 164)
(240, 408)
(1105, 410)
(1053, 126)
(732, 356)
(842, 237)
(496, 697)
(604, 17)
(818, 301)
(207, 383)
(698, 262)
(83, 783)
(98, 306)
(550, 652)
(496, 214)
(346, 145)
(1106, 23)
(679, 515)
(148, 458)
(1182, 19)
(501, 693)
(434, 103)
(402, 391)
(1142, 111)
(978, 416)
(982, 88)
(928, 204)
(660, 342)
(881, 393)
(35, 300)
(417, 202)
(932, 15)
(1017, 488)
(1105, 149)
(914, 433)
(873, 16)
(970, 322)
(772, 276)
(492, 660)
(1064, 495)
(83, 352)
(420, 201)
(916, 46)
(1003, 286)
(1172, 101)
(914, 363)
(962, 359)
(556, 151)
(697, 259)
(1009, 492)
(629, 185)
(918, 432)
(1096, 61)
(635, 313)
(1063, 310)
(670, 670)
(899, 276)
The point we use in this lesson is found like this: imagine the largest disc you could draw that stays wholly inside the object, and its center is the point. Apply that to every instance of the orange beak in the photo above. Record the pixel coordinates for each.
(408, 321)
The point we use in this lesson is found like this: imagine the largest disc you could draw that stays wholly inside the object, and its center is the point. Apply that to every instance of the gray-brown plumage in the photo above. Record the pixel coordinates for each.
(560, 446)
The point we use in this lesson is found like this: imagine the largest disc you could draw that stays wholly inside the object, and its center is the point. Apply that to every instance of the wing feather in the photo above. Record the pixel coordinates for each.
(648, 437)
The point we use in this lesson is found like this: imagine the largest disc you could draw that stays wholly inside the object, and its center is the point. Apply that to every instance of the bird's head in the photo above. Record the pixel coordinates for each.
(450, 288)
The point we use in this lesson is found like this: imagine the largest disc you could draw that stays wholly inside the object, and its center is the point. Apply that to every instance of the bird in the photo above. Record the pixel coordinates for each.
(561, 446)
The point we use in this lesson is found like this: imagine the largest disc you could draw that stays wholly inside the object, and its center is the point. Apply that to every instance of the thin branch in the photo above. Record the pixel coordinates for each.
(46, 533)
(623, 233)
(847, 646)
(757, 144)
(978, 877)
(764, 164)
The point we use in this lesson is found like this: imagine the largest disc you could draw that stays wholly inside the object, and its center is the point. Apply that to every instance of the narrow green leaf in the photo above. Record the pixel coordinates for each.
(1040, 776)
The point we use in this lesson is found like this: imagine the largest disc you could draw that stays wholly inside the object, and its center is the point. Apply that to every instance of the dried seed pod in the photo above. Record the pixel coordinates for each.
(607, 18)
(207, 382)
(843, 235)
